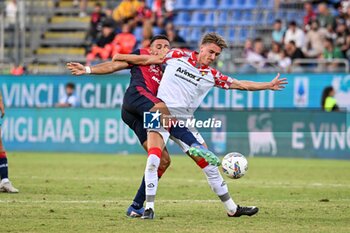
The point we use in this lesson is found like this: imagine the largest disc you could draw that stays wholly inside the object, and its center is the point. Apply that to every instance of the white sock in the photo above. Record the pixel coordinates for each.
(149, 205)
(229, 204)
(5, 180)
(219, 186)
(151, 179)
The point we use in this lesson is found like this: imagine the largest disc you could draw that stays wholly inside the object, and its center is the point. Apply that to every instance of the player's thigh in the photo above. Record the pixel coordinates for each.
(138, 101)
(135, 123)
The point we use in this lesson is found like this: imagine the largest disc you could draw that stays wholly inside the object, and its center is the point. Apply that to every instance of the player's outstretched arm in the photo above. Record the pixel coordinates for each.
(134, 59)
(102, 68)
(276, 84)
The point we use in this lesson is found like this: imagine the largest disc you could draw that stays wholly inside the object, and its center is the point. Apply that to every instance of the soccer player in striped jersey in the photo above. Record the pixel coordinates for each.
(141, 97)
(186, 81)
(5, 184)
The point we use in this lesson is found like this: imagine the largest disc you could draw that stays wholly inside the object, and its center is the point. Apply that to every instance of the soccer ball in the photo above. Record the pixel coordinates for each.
(234, 165)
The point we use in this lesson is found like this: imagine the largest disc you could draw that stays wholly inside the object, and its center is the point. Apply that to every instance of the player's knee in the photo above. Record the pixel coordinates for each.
(165, 163)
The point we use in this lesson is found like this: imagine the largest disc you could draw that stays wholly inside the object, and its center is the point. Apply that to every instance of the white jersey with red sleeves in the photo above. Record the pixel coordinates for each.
(185, 84)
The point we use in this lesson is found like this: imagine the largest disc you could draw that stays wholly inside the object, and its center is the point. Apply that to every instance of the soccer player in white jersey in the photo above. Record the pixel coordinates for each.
(186, 81)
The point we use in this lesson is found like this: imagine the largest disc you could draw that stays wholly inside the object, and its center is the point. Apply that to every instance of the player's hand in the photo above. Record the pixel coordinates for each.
(278, 84)
(116, 57)
(76, 68)
(155, 59)
(162, 53)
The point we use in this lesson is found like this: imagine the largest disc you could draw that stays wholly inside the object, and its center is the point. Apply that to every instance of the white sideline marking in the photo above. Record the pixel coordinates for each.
(129, 201)
(104, 201)
(260, 184)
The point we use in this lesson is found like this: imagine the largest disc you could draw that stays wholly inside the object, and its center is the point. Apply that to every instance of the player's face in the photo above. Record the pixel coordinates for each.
(208, 53)
(160, 46)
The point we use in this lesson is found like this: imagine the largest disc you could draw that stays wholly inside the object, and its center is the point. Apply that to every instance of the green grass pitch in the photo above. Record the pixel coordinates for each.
(90, 193)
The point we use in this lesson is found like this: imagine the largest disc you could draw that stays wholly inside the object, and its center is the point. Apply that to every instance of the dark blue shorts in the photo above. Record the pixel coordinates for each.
(137, 100)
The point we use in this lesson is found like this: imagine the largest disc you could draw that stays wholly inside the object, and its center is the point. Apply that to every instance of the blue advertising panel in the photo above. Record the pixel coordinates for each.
(284, 123)
(303, 91)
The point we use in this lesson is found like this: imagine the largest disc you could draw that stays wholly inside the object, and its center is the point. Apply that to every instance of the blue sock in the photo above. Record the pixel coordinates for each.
(183, 134)
(3, 168)
(140, 196)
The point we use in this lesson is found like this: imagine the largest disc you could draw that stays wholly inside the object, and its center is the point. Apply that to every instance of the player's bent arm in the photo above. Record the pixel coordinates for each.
(139, 59)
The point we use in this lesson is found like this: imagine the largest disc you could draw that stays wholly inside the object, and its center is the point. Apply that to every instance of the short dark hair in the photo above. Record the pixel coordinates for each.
(292, 42)
(159, 37)
(258, 39)
(328, 39)
(292, 23)
(278, 21)
(70, 85)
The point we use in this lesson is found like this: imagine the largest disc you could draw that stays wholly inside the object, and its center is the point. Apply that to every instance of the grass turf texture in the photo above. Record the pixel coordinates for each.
(90, 193)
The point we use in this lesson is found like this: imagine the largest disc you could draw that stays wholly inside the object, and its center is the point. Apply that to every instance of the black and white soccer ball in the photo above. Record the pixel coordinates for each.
(234, 165)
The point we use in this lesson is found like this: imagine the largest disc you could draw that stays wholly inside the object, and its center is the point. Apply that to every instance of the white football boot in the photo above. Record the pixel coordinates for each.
(7, 187)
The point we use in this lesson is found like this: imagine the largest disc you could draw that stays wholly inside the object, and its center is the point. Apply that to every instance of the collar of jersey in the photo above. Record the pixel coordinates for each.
(193, 60)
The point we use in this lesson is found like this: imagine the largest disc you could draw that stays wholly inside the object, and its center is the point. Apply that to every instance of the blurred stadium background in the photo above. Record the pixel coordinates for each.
(307, 41)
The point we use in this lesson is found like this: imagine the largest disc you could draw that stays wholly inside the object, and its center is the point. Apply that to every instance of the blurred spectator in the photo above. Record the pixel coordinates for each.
(124, 42)
(102, 48)
(295, 34)
(69, 99)
(314, 39)
(324, 17)
(347, 15)
(11, 11)
(331, 52)
(347, 52)
(330, 33)
(343, 38)
(293, 51)
(97, 17)
(144, 13)
(328, 102)
(126, 10)
(248, 47)
(147, 34)
(255, 59)
(278, 31)
(174, 38)
(17, 70)
(82, 4)
(309, 14)
(163, 11)
(274, 54)
(285, 61)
